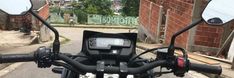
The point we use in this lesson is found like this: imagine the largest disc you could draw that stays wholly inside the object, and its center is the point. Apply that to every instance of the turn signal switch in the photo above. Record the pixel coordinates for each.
(44, 57)
(181, 66)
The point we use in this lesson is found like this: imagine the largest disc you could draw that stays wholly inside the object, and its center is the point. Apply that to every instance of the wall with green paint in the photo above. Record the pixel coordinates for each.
(112, 20)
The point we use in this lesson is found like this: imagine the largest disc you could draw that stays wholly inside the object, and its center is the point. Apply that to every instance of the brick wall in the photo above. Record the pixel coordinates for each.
(155, 15)
(208, 35)
(44, 13)
(148, 16)
(179, 16)
(144, 13)
(17, 21)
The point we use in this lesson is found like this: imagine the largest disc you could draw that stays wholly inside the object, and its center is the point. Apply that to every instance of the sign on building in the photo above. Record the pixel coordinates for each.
(112, 20)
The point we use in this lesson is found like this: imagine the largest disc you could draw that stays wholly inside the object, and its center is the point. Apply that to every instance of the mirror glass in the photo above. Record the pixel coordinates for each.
(15, 7)
(219, 12)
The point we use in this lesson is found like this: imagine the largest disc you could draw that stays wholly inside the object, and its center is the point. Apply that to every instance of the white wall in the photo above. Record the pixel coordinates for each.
(231, 51)
(45, 34)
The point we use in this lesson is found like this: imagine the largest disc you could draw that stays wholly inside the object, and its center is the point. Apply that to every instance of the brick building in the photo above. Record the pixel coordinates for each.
(160, 19)
(3, 20)
(41, 7)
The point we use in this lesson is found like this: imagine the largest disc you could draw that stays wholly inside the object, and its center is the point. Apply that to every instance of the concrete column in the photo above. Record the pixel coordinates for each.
(232, 64)
(45, 34)
(149, 17)
(195, 16)
(166, 24)
(159, 24)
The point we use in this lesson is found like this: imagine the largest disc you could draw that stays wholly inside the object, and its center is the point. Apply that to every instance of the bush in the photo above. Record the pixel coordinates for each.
(54, 9)
(81, 16)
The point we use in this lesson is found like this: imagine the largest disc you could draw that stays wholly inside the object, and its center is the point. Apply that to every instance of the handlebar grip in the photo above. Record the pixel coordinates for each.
(206, 68)
(9, 58)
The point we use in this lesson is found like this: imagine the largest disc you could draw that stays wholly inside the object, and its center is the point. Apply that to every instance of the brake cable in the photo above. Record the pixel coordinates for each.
(147, 51)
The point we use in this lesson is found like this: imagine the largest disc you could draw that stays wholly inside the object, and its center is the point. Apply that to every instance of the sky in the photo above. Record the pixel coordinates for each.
(15, 7)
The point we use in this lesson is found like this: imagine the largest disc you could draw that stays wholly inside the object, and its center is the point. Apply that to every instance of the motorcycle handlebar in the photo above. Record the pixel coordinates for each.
(112, 69)
(87, 68)
(9, 58)
(193, 66)
(206, 68)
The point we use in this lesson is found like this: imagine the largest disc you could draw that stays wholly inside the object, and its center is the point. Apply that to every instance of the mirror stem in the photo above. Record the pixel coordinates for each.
(56, 43)
(171, 48)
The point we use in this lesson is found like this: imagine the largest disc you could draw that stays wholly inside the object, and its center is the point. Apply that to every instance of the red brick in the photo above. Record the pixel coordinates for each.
(219, 30)
(212, 40)
(217, 45)
(214, 35)
(198, 43)
(212, 29)
(217, 40)
(205, 28)
(209, 32)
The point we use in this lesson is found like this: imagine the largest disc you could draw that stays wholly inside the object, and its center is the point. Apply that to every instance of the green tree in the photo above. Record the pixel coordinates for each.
(97, 7)
(91, 9)
(54, 9)
(84, 7)
(82, 16)
(131, 7)
(94, 6)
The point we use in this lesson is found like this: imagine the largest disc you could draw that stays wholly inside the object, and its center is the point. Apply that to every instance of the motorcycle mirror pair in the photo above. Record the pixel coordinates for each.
(215, 12)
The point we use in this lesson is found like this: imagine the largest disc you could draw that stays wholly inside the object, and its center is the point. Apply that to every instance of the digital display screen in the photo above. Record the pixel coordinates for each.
(107, 43)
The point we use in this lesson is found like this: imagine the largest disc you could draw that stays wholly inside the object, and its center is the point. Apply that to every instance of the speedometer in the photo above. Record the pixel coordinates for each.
(107, 43)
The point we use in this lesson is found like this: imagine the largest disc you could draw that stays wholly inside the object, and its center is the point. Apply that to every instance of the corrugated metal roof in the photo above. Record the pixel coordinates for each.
(37, 4)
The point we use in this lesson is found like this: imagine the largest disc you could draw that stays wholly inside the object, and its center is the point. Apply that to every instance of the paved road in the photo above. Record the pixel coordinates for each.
(29, 70)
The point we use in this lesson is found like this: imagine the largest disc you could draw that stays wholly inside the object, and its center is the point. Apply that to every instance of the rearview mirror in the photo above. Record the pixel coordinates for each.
(15, 7)
(219, 12)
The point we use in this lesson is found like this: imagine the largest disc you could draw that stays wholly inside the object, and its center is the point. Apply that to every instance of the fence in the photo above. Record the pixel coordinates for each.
(150, 19)
(58, 18)
(94, 19)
